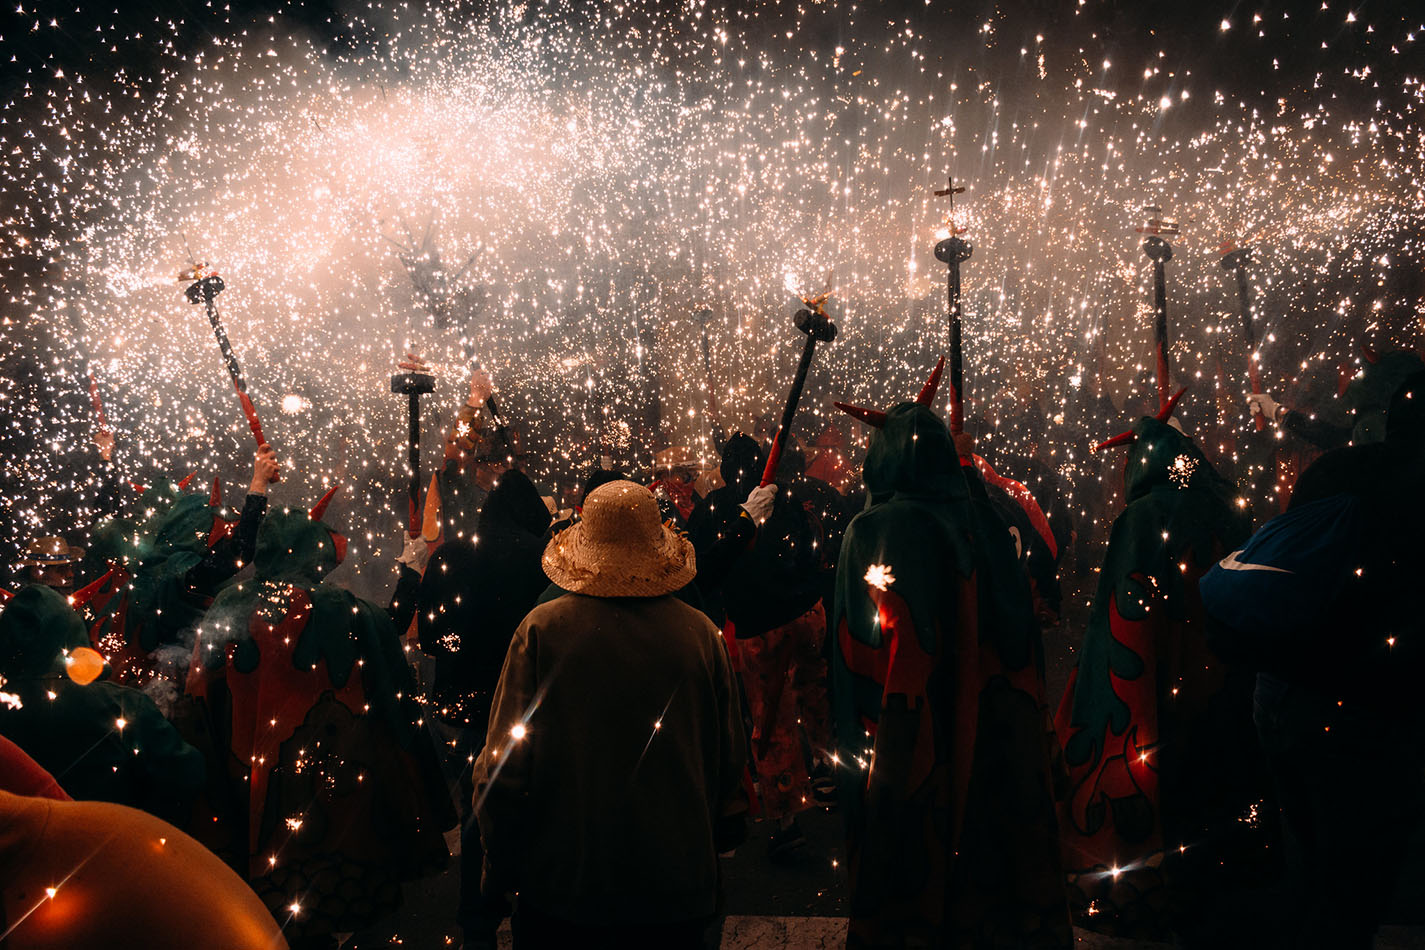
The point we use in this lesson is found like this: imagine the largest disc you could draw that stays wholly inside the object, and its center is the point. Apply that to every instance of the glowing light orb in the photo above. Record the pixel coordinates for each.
(84, 666)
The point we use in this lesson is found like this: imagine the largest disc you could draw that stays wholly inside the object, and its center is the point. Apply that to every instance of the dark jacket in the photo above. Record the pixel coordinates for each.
(626, 783)
(1370, 650)
(475, 593)
(773, 581)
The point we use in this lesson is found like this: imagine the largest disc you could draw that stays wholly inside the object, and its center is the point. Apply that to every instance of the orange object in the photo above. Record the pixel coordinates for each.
(89, 875)
(84, 665)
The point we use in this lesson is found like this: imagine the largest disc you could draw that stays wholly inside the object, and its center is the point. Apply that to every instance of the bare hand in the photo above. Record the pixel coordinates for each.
(265, 470)
(104, 439)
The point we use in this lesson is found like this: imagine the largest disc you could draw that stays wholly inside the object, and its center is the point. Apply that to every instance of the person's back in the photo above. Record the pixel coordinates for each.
(623, 757)
(610, 778)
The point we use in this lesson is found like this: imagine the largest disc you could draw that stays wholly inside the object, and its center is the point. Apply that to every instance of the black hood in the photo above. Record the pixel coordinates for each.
(742, 462)
(514, 502)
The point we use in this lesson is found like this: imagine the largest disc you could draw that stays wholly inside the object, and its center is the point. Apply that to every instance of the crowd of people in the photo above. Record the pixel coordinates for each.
(195, 720)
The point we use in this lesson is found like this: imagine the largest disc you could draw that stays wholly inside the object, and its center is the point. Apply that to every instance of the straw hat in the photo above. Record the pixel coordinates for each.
(45, 551)
(621, 548)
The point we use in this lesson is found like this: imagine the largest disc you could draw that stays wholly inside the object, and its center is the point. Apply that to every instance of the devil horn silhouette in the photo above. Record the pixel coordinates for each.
(1123, 438)
(320, 508)
(872, 417)
(927, 392)
(1167, 410)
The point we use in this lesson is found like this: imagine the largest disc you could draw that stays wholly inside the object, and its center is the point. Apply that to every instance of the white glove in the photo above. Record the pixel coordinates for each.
(1265, 404)
(415, 554)
(759, 504)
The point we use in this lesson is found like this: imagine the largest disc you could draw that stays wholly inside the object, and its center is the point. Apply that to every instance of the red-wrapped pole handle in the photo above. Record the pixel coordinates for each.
(98, 404)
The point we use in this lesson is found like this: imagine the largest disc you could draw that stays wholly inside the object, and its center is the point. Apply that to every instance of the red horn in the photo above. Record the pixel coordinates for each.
(320, 508)
(138, 488)
(1167, 410)
(1120, 439)
(1369, 352)
(86, 593)
(5, 595)
(185, 481)
(872, 417)
(215, 495)
(927, 392)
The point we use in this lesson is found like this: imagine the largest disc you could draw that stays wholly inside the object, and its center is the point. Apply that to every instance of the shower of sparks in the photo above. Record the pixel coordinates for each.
(880, 577)
(554, 191)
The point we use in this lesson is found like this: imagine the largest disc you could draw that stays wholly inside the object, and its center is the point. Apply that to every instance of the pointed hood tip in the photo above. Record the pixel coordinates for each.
(320, 508)
(1167, 409)
(932, 384)
(872, 417)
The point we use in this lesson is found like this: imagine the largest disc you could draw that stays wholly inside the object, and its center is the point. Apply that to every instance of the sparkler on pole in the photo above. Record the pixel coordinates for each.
(818, 327)
(954, 251)
(414, 382)
(1160, 252)
(1236, 259)
(205, 290)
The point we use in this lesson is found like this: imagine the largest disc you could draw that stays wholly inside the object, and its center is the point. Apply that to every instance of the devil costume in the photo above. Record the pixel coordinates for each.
(329, 781)
(168, 552)
(941, 712)
(1156, 730)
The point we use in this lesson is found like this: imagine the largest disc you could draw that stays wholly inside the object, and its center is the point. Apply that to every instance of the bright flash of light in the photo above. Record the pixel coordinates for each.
(880, 577)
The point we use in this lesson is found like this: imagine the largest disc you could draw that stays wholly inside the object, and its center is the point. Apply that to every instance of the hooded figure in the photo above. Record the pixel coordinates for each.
(474, 595)
(100, 740)
(332, 788)
(169, 551)
(1155, 730)
(717, 517)
(941, 712)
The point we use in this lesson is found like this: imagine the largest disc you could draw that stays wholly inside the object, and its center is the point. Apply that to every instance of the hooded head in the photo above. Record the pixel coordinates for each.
(1161, 455)
(514, 502)
(296, 546)
(911, 452)
(742, 462)
(38, 629)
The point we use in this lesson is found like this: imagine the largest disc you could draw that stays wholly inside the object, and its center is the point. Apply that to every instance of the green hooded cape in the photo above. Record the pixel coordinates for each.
(1157, 734)
(310, 704)
(941, 714)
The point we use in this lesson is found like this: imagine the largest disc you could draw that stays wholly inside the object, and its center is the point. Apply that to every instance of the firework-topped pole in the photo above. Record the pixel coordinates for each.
(1155, 225)
(818, 327)
(1236, 259)
(953, 251)
(413, 381)
(205, 289)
